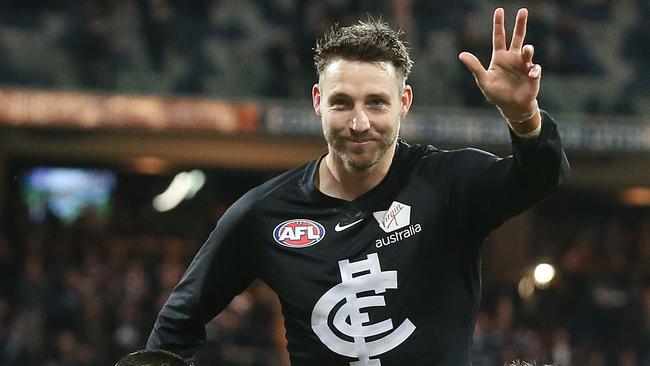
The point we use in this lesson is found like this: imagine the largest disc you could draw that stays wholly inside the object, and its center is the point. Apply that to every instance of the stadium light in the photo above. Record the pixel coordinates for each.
(526, 287)
(543, 274)
(184, 186)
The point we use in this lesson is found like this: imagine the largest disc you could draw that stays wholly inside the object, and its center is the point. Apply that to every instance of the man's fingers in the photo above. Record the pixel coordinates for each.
(498, 31)
(473, 64)
(519, 33)
(535, 72)
(527, 53)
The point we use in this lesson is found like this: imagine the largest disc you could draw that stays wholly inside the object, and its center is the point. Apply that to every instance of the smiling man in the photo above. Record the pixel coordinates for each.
(361, 104)
(374, 248)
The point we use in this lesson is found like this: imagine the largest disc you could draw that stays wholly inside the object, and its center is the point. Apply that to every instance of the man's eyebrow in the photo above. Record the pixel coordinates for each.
(381, 95)
(339, 95)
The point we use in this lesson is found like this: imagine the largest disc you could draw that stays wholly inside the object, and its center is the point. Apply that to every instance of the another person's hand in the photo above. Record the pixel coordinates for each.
(512, 80)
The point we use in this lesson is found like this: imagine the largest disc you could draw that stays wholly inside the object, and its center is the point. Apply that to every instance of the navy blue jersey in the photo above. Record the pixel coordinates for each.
(389, 278)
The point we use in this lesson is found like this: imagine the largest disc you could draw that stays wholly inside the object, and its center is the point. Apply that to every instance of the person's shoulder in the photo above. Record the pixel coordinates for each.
(292, 180)
(440, 167)
(432, 156)
(466, 161)
(288, 183)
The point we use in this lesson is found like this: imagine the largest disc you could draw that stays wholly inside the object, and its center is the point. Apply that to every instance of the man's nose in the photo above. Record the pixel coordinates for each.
(360, 120)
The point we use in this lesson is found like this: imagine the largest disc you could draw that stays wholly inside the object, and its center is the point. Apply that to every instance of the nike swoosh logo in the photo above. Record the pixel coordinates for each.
(340, 227)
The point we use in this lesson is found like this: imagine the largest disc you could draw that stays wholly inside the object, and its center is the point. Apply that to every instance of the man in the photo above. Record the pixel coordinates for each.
(151, 358)
(374, 249)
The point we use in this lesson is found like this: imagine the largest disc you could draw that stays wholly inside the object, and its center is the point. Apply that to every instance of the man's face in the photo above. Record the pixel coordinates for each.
(360, 105)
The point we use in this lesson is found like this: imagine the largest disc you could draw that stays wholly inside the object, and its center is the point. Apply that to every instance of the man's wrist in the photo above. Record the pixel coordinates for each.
(529, 128)
(520, 115)
(524, 122)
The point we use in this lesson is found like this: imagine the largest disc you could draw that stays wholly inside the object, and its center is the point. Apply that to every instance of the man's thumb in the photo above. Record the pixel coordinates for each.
(473, 65)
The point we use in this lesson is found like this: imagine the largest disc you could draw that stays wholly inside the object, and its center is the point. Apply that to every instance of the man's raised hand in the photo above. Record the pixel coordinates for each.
(512, 80)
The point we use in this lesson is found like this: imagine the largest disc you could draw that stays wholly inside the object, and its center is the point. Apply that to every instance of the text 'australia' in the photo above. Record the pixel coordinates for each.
(398, 235)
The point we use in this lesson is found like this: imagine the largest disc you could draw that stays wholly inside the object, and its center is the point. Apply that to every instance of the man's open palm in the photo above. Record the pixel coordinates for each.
(512, 80)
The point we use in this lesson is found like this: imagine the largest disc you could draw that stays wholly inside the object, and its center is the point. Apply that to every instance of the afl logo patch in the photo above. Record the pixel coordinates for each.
(298, 233)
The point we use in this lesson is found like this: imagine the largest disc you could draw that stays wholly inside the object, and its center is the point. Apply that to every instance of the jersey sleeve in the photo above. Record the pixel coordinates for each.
(223, 268)
(488, 190)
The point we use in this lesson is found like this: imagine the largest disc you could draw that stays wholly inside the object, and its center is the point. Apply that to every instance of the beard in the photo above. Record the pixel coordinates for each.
(365, 157)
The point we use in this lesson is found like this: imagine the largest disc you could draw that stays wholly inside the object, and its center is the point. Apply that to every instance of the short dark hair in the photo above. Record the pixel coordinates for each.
(371, 41)
(152, 358)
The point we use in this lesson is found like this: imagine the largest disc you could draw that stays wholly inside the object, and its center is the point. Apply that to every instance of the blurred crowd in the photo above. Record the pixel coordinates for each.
(596, 311)
(86, 293)
(593, 52)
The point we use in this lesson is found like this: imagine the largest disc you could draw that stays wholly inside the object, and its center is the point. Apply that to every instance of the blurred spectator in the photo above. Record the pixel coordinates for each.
(430, 17)
(88, 39)
(282, 61)
(155, 17)
(574, 55)
(472, 38)
(636, 50)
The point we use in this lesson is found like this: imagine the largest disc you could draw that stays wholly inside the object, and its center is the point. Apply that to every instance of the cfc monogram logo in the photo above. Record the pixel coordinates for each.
(359, 277)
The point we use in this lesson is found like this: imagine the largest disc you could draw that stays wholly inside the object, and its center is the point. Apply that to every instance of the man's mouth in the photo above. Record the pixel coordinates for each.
(362, 140)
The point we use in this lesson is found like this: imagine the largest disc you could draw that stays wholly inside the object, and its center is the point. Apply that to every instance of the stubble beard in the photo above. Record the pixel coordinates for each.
(365, 161)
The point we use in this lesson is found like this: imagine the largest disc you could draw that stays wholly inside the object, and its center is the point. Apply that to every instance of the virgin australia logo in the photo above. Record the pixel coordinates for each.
(356, 278)
(398, 216)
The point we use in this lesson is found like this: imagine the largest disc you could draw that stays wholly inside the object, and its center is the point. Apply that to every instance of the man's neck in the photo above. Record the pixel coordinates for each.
(336, 180)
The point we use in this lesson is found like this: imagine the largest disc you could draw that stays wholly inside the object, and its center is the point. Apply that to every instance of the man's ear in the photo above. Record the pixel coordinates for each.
(315, 98)
(407, 100)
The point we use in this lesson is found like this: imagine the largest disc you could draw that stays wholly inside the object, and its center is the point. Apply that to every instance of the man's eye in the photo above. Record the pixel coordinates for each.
(377, 102)
(338, 104)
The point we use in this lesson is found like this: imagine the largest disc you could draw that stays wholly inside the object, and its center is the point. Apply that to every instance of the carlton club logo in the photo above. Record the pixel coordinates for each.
(298, 233)
(351, 321)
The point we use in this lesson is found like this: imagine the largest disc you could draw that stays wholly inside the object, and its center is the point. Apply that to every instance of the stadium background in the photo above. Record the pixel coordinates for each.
(103, 103)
